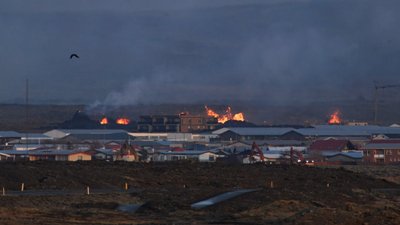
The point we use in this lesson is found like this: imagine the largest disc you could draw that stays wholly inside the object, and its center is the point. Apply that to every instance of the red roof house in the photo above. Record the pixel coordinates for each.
(331, 145)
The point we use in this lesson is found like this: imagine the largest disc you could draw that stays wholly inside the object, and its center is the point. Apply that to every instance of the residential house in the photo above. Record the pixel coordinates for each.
(59, 155)
(17, 155)
(382, 152)
(102, 154)
(210, 156)
(331, 145)
(319, 148)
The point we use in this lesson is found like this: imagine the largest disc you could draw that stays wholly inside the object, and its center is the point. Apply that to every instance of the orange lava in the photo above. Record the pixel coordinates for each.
(222, 118)
(123, 121)
(104, 121)
(334, 118)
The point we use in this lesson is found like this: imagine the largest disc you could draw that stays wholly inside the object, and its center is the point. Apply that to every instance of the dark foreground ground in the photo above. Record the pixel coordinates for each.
(300, 195)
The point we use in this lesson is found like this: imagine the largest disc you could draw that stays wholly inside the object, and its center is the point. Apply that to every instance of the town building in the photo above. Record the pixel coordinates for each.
(159, 123)
(59, 155)
(7, 136)
(383, 152)
(47, 154)
(251, 133)
(62, 133)
(303, 134)
(193, 123)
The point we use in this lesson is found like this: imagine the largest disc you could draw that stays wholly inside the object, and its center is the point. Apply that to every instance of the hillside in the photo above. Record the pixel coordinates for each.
(299, 195)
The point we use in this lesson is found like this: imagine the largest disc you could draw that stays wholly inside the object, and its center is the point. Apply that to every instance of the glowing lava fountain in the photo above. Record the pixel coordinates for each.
(334, 118)
(222, 118)
(104, 121)
(123, 121)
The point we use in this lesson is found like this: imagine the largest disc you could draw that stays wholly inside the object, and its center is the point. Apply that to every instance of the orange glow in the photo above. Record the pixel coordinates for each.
(104, 121)
(334, 118)
(225, 117)
(211, 112)
(123, 121)
(238, 116)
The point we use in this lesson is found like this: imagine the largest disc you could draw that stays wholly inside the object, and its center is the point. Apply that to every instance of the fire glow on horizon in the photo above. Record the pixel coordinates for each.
(335, 118)
(225, 117)
(104, 121)
(120, 121)
(123, 121)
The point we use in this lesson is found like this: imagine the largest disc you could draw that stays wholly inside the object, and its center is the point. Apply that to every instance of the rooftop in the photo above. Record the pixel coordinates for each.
(372, 146)
(255, 130)
(10, 134)
(329, 145)
(318, 130)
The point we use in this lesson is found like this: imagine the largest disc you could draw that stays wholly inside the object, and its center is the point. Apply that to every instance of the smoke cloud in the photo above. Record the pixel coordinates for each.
(133, 52)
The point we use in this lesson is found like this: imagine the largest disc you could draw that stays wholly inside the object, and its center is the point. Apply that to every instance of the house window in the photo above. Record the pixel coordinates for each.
(80, 158)
(211, 158)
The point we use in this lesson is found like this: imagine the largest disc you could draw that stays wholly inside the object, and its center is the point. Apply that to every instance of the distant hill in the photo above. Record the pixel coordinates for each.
(45, 117)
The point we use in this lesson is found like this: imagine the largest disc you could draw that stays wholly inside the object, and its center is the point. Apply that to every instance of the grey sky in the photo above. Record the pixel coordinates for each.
(197, 51)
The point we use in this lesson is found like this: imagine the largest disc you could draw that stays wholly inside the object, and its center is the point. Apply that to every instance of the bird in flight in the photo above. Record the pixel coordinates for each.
(73, 55)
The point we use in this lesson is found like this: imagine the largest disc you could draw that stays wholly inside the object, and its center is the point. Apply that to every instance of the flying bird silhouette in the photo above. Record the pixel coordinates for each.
(73, 55)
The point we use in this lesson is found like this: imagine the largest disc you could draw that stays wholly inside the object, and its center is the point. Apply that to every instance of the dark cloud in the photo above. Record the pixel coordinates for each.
(197, 51)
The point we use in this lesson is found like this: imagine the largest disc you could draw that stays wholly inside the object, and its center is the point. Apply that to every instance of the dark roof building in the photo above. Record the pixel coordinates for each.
(159, 123)
(311, 133)
(331, 145)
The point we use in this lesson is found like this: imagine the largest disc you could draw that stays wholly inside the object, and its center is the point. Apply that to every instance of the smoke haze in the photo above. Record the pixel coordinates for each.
(131, 52)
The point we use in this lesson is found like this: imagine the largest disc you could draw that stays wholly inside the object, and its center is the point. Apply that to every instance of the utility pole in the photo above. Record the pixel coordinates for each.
(26, 111)
(377, 87)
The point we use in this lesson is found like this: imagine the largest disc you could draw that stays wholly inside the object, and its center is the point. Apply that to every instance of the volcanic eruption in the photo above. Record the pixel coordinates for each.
(222, 118)
(104, 121)
(335, 118)
(123, 121)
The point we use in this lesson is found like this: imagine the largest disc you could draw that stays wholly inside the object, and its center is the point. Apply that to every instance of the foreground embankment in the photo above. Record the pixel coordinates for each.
(286, 194)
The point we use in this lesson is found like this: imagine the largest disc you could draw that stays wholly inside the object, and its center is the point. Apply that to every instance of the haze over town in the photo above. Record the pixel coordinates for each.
(151, 52)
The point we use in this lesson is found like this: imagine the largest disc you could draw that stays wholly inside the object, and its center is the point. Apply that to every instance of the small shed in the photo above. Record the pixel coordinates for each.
(209, 156)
